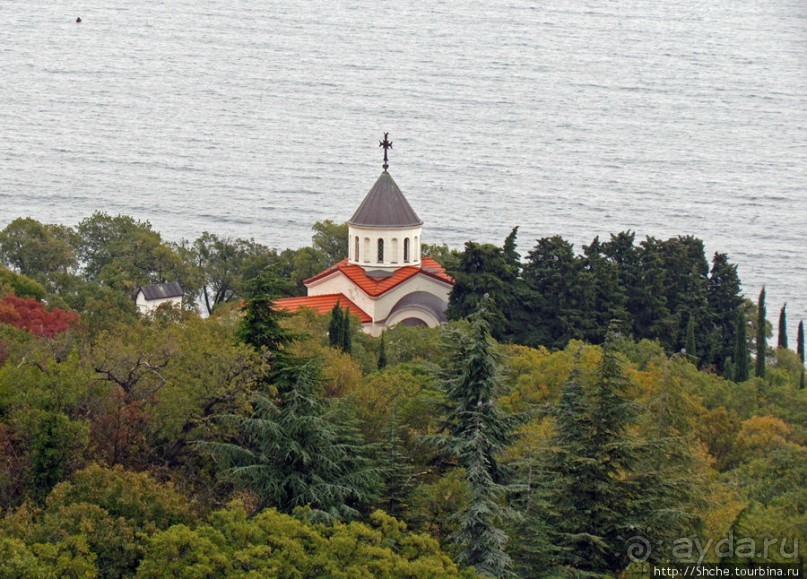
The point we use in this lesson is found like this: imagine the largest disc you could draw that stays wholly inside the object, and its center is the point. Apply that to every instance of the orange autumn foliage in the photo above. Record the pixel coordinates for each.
(32, 315)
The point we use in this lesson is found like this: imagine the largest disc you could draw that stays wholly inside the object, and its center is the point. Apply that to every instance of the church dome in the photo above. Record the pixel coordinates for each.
(385, 206)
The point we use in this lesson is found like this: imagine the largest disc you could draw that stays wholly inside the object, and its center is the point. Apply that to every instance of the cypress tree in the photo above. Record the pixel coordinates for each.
(742, 365)
(335, 327)
(689, 344)
(782, 328)
(476, 432)
(346, 339)
(762, 342)
(382, 354)
(800, 351)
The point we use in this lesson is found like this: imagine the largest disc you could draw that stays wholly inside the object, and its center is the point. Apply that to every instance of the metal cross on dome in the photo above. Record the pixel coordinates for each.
(387, 144)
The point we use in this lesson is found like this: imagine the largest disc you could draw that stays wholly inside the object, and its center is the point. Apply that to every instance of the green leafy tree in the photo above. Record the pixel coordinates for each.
(762, 341)
(330, 239)
(44, 252)
(124, 253)
(782, 327)
(57, 442)
(273, 544)
(221, 264)
(477, 432)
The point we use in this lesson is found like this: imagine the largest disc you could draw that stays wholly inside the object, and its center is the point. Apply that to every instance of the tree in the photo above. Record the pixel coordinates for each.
(689, 342)
(261, 325)
(124, 253)
(330, 239)
(382, 353)
(335, 327)
(221, 264)
(800, 351)
(724, 299)
(550, 310)
(272, 544)
(44, 252)
(742, 365)
(476, 433)
(297, 453)
(56, 446)
(482, 271)
(782, 328)
(32, 315)
(761, 343)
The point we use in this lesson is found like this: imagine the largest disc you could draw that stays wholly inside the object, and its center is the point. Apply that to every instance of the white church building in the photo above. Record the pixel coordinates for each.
(384, 280)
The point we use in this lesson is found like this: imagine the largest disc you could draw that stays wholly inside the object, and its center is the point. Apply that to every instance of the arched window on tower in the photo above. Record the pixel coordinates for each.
(393, 253)
(406, 250)
(366, 250)
(380, 250)
(356, 249)
(416, 249)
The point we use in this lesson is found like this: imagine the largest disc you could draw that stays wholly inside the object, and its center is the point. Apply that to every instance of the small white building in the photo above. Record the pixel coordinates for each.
(149, 297)
(384, 281)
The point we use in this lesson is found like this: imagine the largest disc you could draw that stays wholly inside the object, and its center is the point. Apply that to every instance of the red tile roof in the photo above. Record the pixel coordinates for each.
(322, 305)
(376, 287)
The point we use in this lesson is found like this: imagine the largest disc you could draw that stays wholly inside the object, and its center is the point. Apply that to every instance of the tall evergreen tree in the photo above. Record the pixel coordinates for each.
(298, 452)
(724, 299)
(742, 365)
(591, 496)
(690, 337)
(382, 353)
(782, 328)
(346, 336)
(483, 271)
(476, 432)
(800, 351)
(261, 325)
(762, 341)
(335, 327)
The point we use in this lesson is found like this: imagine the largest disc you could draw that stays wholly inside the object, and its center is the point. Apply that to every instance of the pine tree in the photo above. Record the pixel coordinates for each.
(742, 364)
(476, 433)
(335, 327)
(382, 353)
(297, 453)
(782, 328)
(261, 325)
(762, 342)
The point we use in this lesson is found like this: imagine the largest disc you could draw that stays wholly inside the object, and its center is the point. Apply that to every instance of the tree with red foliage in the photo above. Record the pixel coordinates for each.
(32, 315)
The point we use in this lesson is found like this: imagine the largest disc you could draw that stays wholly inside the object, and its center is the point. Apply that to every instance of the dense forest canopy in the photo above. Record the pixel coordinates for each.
(578, 407)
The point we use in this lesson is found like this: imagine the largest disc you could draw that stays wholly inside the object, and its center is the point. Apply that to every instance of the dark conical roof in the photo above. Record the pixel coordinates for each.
(385, 206)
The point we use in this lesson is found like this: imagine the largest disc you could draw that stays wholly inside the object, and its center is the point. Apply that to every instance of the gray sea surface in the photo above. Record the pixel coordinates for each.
(579, 118)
